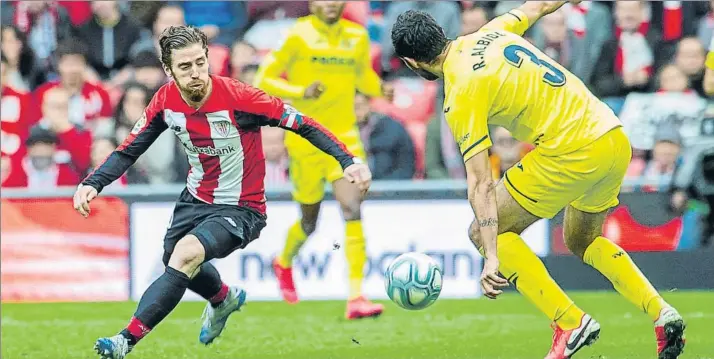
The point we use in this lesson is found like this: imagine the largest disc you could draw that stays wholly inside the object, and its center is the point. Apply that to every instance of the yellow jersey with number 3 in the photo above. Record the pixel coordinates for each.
(495, 77)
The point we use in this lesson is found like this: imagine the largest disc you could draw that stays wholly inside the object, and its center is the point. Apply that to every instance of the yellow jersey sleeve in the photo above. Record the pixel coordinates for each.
(368, 82)
(466, 112)
(514, 21)
(269, 75)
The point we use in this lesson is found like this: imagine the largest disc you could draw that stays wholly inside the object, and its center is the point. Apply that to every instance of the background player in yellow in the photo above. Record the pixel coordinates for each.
(327, 60)
(495, 77)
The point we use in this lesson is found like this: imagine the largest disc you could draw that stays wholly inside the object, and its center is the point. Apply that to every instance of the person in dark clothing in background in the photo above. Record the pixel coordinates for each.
(110, 34)
(628, 59)
(390, 151)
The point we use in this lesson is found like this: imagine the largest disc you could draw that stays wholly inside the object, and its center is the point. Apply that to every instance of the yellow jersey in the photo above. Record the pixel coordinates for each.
(336, 55)
(495, 77)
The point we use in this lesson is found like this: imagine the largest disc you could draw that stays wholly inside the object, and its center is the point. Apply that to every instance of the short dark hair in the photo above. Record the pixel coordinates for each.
(177, 37)
(3, 59)
(39, 134)
(71, 46)
(417, 35)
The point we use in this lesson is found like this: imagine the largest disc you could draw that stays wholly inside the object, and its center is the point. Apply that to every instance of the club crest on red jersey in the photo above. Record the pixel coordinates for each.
(222, 128)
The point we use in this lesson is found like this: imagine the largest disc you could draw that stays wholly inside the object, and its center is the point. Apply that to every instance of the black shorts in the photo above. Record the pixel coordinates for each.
(220, 228)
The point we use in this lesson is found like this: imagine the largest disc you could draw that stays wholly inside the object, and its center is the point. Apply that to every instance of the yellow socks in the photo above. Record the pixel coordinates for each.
(354, 249)
(615, 264)
(356, 256)
(296, 238)
(527, 273)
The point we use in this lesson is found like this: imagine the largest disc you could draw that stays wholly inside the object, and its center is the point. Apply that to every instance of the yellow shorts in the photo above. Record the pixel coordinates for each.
(310, 173)
(589, 179)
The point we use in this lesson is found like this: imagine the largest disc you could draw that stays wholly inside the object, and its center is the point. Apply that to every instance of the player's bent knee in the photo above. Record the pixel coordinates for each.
(475, 234)
(188, 255)
(351, 211)
(308, 225)
(577, 245)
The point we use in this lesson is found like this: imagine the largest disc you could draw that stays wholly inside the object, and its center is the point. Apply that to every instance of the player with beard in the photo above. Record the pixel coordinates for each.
(218, 121)
(326, 59)
(495, 77)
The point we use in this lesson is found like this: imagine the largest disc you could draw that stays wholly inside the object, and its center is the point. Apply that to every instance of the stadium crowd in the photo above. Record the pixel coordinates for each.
(76, 75)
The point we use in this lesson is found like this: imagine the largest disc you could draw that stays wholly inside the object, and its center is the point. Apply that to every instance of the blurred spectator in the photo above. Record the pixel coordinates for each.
(73, 142)
(148, 70)
(168, 15)
(89, 102)
(44, 23)
(446, 13)
(247, 74)
(242, 54)
(129, 109)
(665, 154)
(158, 164)
(276, 156)
(44, 168)
(442, 157)
(627, 60)
(110, 34)
(676, 19)
(473, 18)
(589, 21)
(15, 116)
(562, 45)
(706, 25)
(102, 147)
(390, 151)
(689, 57)
(276, 10)
(22, 70)
(671, 78)
(79, 11)
(144, 12)
(505, 152)
(221, 21)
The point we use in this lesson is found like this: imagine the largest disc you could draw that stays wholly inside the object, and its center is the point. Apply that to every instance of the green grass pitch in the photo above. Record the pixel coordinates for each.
(506, 328)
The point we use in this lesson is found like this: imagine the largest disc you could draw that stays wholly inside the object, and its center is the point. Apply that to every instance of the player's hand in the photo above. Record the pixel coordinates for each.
(388, 91)
(491, 282)
(314, 90)
(360, 175)
(82, 197)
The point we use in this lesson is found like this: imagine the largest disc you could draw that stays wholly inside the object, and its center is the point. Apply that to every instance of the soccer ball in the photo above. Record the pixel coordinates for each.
(413, 281)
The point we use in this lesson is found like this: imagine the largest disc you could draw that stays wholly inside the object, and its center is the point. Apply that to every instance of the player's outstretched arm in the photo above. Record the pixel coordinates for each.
(535, 10)
(482, 197)
(144, 133)
(520, 19)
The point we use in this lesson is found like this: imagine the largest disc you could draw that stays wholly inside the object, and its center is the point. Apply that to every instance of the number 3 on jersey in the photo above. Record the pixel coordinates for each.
(514, 55)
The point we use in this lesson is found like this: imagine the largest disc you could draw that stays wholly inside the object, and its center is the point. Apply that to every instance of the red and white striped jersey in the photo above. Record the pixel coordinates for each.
(222, 141)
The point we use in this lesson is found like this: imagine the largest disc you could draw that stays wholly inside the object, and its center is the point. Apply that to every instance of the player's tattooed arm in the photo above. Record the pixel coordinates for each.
(482, 197)
(488, 222)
